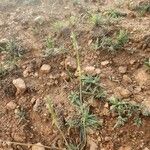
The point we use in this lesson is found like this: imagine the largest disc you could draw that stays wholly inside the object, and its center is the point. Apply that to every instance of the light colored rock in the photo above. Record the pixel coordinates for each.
(45, 69)
(39, 20)
(97, 71)
(146, 148)
(137, 90)
(38, 146)
(125, 93)
(142, 77)
(122, 69)
(70, 63)
(121, 92)
(11, 105)
(37, 105)
(64, 76)
(125, 148)
(90, 70)
(126, 79)
(104, 63)
(146, 107)
(93, 145)
(20, 85)
(132, 61)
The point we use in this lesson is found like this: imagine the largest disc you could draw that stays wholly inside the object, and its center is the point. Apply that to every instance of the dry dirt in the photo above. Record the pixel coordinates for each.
(24, 117)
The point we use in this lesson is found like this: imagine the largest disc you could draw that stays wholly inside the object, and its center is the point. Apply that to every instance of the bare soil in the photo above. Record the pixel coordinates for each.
(30, 121)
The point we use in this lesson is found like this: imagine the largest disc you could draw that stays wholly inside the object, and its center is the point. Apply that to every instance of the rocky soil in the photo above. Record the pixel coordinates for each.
(39, 59)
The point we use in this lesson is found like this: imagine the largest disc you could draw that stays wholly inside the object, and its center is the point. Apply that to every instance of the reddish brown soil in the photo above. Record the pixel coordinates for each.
(36, 126)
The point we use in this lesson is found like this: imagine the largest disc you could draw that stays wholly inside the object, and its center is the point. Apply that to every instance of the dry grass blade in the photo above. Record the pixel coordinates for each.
(54, 120)
(29, 144)
(83, 128)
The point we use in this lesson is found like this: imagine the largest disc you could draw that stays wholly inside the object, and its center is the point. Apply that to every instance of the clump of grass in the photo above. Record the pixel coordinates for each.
(50, 43)
(121, 39)
(114, 43)
(96, 19)
(124, 111)
(91, 87)
(143, 8)
(112, 13)
(14, 50)
(51, 49)
(20, 114)
(60, 25)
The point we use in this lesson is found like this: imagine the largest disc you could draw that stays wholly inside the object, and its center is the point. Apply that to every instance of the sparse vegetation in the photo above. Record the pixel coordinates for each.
(14, 50)
(59, 25)
(52, 50)
(142, 9)
(96, 19)
(124, 111)
(91, 87)
(78, 73)
(112, 13)
(147, 63)
(113, 44)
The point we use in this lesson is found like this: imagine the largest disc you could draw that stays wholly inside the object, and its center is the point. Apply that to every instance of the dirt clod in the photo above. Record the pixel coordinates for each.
(142, 77)
(122, 69)
(38, 146)
(70, 63)
(20, 85)
(45, 69)
(11, 105)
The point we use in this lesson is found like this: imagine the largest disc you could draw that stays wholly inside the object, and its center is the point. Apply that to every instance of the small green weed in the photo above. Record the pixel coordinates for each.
(143, 8)
(14, 50)
(91, 87)
(121, 40)
(147, 63)
(50, 43)
(96, 19)
(113, 44)
(115, 14)
(59, 25)
(20, 114)
(124, 110)
(51, 49)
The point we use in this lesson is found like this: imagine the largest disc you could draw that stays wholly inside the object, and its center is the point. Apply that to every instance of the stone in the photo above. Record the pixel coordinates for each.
(122, 92)
(45, 69)
(20, 85)
(122, 69)
(92, 144)
(104, 63)
(97, 71)
(126, 79)
(11, 105)
(27, 71)
(70, 63)
(142, 77)
(132, 61)
(38, 146)
(125, 93)
(65, 76)
(146, 148)
(90, 70)
(37, 105)
(146, 107)
(125, 148)
(137, 90)
(39, 20)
